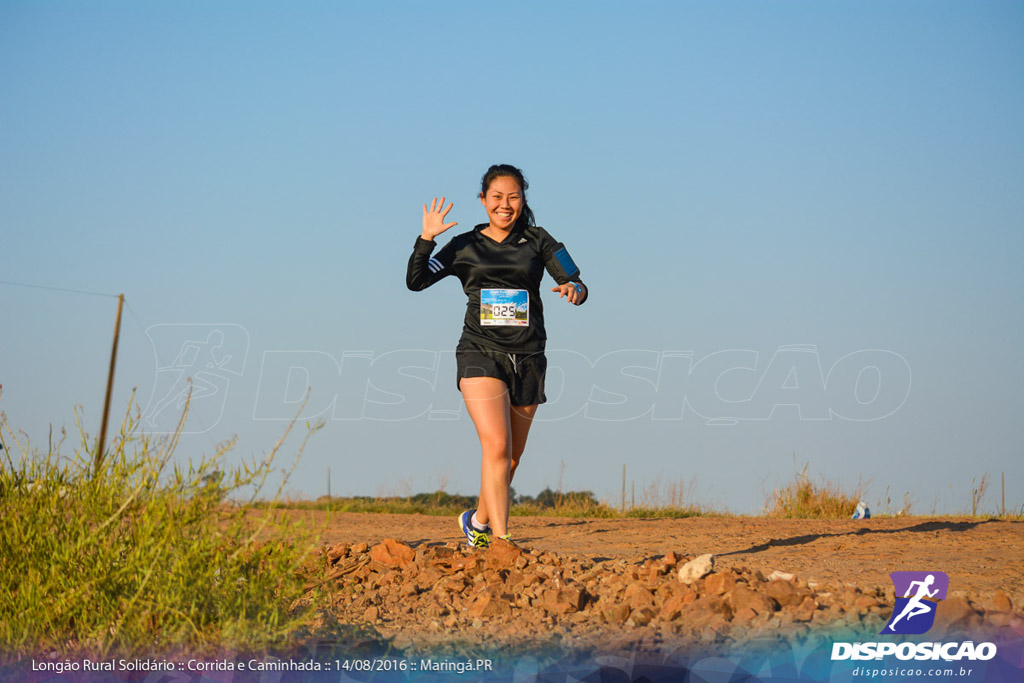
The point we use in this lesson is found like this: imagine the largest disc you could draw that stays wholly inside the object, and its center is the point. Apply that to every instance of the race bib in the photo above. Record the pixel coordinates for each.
(504, 307)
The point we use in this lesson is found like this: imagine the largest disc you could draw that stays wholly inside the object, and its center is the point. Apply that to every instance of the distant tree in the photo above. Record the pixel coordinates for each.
(550, 499)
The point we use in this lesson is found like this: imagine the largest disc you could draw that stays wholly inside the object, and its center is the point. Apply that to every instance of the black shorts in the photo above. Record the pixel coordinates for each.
(523, 373)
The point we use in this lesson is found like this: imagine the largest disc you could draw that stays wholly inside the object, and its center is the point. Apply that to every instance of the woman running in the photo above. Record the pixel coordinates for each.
(500, 356)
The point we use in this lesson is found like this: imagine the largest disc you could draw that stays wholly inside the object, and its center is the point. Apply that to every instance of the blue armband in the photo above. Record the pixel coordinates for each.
(565, 262)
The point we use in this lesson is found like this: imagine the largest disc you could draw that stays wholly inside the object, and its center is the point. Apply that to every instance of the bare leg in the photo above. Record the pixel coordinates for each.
(521, 418)
(488, 405)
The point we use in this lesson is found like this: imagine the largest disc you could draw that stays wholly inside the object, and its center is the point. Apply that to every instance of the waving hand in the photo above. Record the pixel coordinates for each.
(433, 219)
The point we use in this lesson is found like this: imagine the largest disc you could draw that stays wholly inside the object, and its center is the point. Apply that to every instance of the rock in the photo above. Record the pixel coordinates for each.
(371, 614)
(805, 610)
(337, 552)
(358, 548)
(501, 553)
(389, 577)
(651, 576)
(672, 608)
(704, 608)
(824, 617)
(1001, 601)
(953, 612)
(784, 592)
(422, 555)
(515, 578)
(442, 553)
(640, 617)
(744, 616)
(442, 597)
(637, 596)
(426, 579)
(719, 583)
(612, 584)
(377, 568)
(669, 560)
(780, 576)
(490, 605)
(530, 580)
(576, 597)
(864, 603)
(548, 600)
(562, 600)
(743, 597)
(696, 569)
(615, 613)
(471, 564)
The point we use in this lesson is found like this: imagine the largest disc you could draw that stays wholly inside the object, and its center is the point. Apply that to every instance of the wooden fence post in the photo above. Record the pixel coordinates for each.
(98, 460)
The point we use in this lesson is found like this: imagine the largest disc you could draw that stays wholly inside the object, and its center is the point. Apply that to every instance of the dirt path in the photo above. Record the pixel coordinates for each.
(980, 556)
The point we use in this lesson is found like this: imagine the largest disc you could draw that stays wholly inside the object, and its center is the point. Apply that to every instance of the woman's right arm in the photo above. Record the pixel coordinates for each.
(423, 270)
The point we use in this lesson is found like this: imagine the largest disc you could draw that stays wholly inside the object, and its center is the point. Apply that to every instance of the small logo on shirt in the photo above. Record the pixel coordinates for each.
(521, 240)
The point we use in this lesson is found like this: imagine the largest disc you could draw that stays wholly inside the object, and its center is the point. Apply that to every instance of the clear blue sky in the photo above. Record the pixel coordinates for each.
(734, 179)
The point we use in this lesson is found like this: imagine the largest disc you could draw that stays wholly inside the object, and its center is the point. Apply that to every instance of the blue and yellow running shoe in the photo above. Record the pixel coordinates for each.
(476, 539)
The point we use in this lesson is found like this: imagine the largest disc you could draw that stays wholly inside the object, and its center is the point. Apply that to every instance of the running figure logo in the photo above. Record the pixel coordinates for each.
(203, 358)
(914, 613)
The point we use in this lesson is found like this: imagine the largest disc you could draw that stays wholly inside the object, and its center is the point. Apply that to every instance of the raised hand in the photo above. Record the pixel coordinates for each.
(433, 219)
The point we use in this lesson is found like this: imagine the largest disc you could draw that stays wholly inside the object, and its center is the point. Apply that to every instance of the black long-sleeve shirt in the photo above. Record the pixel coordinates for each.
(516, 263)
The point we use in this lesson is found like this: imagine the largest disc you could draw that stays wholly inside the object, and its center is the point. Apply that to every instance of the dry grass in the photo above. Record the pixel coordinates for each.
(803, 498)
(978, 492)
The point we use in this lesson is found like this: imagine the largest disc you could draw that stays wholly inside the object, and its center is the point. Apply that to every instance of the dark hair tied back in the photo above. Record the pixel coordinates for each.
(508, 170)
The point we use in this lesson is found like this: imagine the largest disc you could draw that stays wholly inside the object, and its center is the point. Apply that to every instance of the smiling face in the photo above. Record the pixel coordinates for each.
(503, 202)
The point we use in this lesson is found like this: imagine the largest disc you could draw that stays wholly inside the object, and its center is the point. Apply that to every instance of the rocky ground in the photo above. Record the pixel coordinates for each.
(440, 596)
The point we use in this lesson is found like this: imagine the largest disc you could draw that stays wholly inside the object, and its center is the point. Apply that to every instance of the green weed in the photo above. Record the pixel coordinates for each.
(142, 556)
